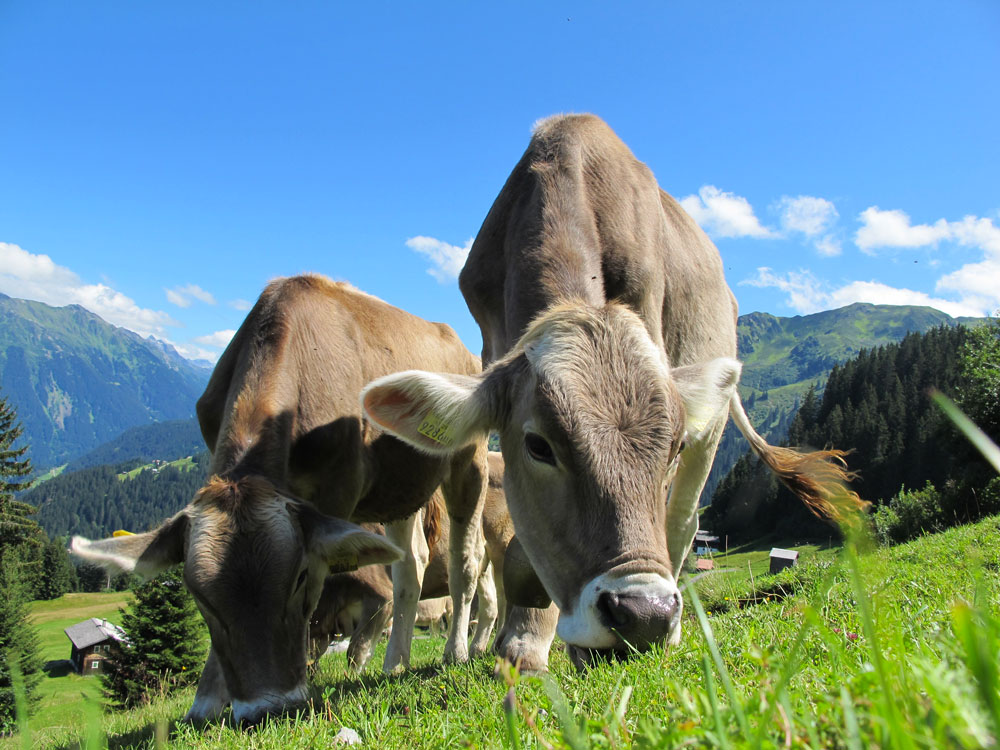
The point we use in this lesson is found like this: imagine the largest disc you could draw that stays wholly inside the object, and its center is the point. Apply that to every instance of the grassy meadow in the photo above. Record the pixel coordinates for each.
(66, 697)
(885, 648)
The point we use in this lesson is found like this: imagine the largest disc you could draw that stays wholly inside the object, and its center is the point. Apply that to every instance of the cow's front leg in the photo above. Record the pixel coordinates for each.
(407, 579)
(526, 637)
(682, 507)
(486, 612)
(375, 614)
(212, 696)
(464, 492)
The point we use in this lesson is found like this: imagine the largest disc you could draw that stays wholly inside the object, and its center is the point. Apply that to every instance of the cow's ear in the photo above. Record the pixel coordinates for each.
(344, 546)
(145, 555)
(437, 413)
(706, 390)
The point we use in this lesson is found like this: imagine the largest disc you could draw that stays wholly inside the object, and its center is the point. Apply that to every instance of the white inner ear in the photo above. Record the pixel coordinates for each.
(82, 547)
(706, 390)
(435, 412)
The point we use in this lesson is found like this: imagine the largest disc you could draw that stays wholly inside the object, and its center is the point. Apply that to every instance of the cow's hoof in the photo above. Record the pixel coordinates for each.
(455, 658)
(394, 667)
(528, 660)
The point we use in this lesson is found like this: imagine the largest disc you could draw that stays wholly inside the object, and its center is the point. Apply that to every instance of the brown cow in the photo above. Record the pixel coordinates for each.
(611, 335)
(290, 454)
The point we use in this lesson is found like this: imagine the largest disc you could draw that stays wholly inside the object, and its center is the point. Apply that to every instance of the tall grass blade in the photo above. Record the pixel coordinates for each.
(510, 719)
(574, 736)
(853, 738)
(977, 437)
(713, 648)
(898, 735)
(713, 699)
(979, 651)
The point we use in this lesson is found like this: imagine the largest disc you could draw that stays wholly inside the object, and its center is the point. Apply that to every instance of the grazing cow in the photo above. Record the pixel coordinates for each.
(359, 603)
(610, 336)
(290, 454)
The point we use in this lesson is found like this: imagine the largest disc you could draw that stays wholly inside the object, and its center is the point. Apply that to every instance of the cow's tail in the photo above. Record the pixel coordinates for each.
(433, 518)
(819, 478)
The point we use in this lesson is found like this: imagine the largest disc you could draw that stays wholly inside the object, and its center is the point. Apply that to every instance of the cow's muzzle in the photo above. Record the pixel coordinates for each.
(270, 705)
(638, 619)
(625, 613)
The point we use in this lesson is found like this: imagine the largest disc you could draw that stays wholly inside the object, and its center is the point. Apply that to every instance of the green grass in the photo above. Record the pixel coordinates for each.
(894, 648)
(48, 475)
(182, 464)
(66, 695)
(743, 572)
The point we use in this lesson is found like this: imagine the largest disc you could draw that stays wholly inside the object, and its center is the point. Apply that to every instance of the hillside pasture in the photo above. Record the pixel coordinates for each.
(68, 698)
(893, 648)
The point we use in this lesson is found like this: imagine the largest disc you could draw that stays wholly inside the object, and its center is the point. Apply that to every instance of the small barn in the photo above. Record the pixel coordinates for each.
(782, 558)
(91, 641)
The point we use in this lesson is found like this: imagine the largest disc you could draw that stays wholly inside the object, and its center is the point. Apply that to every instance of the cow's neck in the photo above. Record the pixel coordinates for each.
(254, 446)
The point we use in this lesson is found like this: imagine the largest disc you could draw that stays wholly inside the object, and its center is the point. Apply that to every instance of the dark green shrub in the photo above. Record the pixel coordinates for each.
(909, 514)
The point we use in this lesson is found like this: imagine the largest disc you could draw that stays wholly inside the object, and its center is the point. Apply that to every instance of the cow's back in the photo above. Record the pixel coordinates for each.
(581, 219)
(283, 399)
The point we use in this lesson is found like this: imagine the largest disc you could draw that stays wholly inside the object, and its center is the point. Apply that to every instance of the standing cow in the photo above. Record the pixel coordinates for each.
(610, 335)
(291, 454)
(359, 603)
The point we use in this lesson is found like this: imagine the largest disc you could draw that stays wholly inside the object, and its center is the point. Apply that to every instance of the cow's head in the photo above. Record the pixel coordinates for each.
(592, 422)
(255, 561)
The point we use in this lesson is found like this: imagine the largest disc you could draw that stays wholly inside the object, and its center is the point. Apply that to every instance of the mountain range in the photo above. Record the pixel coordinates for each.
(784, 357)
(78, 381)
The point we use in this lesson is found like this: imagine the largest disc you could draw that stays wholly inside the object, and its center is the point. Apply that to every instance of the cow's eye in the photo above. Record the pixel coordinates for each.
(539, 449)
(302, 579)
(681, 447)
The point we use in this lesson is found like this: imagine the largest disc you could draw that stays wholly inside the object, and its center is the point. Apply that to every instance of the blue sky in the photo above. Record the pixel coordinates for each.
(159, 163)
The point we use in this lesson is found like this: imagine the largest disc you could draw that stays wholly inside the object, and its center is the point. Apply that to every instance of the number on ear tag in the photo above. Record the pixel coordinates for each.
(345, 566)
(436, 429)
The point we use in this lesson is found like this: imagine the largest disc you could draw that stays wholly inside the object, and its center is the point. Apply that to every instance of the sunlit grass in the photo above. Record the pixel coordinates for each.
(891, 648)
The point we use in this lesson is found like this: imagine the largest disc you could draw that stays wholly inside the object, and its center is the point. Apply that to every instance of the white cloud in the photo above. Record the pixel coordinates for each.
(827, 245)
(723, 214)
(447, 259)
(37, 277)
(182, 296)
(807, 294)
(218, 340)
(240, 304)
(190, 351)
(976, 283)
(807, 214)
(880, 229)
(812, 217)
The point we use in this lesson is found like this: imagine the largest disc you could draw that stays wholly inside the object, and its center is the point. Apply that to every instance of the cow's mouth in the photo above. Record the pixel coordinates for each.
(585, 658)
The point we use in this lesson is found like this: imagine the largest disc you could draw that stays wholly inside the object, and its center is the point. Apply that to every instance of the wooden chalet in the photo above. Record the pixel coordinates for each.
(92, 641)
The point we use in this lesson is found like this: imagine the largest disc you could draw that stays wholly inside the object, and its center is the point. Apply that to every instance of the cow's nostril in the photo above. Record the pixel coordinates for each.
(638, 619)
(611, 608)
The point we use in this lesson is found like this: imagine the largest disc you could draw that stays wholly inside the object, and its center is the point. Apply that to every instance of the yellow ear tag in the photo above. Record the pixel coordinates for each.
(346, 565)
(436, 429)
(122, 532)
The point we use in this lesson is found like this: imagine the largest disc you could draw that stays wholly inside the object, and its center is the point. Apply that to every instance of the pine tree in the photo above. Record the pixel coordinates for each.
(165, 643)
(58, 573)
(20, 536)
(18, 643)
(15, 526)
(979, 362)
